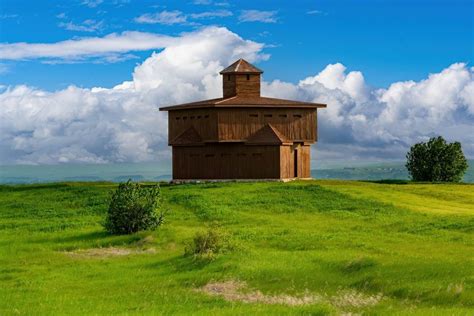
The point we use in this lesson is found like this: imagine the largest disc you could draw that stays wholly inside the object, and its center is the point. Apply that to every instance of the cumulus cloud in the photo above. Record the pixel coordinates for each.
(123, 124)
(258, 16)
(382, 123)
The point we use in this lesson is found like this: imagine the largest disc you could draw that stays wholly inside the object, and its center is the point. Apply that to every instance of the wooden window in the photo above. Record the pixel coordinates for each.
(228, 77)
(185, 117)
(206, 116)
(192, 117)
(268, 115)
(282, 115)
(253, 115)
(209, 155)
(248, 77)
(199, 116)
(177, 117)
(297, 115)
(194, 155)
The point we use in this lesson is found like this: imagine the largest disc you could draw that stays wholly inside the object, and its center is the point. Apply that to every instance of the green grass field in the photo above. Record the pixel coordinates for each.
(352, 247)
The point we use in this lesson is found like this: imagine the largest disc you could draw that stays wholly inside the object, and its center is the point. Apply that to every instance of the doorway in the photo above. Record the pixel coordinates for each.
(295, 163)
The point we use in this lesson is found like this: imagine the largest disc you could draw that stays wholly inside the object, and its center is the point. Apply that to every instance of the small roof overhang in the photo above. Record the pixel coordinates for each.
(244, 102)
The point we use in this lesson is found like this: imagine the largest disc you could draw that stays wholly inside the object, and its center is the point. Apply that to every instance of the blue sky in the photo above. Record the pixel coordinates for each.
(81, 80)
(387, 40)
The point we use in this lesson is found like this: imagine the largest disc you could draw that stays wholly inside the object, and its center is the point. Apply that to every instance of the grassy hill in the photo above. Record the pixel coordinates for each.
(315, 247)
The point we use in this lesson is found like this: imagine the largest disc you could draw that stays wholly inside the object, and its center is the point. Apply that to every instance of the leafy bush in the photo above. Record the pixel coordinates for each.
(133, 208)
(206, 245)
(436, 161)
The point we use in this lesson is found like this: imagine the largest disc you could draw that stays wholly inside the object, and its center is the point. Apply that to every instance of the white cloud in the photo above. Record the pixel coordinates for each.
(86, 47)
(85, 26)
(178, 17)
(92, 3)
(383, 123)
(211, 14)
(163, 17)
(122, 123)
(314, 12)
(8, 16)
(202, 2)
(258, 16)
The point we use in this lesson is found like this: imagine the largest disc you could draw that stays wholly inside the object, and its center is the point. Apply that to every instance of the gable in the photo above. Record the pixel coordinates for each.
(267, 135)
(189, 137)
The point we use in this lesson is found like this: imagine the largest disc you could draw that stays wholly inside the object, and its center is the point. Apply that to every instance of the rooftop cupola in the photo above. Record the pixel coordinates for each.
(241, 79)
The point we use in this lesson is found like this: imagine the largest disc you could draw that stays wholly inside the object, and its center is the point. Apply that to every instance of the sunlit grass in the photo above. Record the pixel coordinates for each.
(411, 243)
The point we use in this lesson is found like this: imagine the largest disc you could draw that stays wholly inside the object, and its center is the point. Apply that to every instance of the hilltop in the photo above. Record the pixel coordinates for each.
(312, 247)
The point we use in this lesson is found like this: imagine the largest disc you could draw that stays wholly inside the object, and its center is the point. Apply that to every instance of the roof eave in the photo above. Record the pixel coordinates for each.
(185, 107)
(241, 73)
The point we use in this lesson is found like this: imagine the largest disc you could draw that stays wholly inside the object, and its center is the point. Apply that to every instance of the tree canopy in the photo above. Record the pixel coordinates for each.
(436, 161)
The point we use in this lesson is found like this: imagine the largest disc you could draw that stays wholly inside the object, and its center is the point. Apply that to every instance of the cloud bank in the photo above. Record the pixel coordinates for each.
(123, 124)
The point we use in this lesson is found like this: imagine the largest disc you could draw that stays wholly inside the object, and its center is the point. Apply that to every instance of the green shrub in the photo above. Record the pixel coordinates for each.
(436, 161)
(206, 245)
(133, 208)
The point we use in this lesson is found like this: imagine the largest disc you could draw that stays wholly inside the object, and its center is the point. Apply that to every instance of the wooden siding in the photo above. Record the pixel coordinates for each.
(203, 120)
(305, 161)
(247, 85)
(226, 161)
(295, 124)
(287, 161)
(242, 85)
(228, 85)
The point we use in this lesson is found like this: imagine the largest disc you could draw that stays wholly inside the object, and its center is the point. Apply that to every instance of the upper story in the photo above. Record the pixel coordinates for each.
(241, 114)
(241, 79)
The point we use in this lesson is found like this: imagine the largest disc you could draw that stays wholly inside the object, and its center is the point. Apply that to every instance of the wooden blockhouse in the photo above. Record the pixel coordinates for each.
(242, 135)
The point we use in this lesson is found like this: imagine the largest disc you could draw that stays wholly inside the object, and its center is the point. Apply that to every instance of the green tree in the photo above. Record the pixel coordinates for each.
(133, 208)
(436, 161)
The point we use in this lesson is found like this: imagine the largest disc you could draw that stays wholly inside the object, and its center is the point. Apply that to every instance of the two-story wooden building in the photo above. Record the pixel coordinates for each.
(242, 135)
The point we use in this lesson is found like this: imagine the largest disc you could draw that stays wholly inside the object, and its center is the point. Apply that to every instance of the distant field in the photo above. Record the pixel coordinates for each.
(321, 247)
(376, 171)
(161, 171)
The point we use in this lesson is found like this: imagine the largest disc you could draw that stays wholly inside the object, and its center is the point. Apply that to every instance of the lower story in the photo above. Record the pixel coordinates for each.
(241, 161)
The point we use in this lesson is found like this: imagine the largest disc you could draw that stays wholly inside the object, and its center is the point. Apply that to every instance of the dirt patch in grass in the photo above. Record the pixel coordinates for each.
(108, 252)
(355, 299)
(236, 291)
(233, 291)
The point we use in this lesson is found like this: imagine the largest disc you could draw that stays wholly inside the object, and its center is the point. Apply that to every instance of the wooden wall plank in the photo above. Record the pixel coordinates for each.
(203, 120)
(226, 161)
(238, 124)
